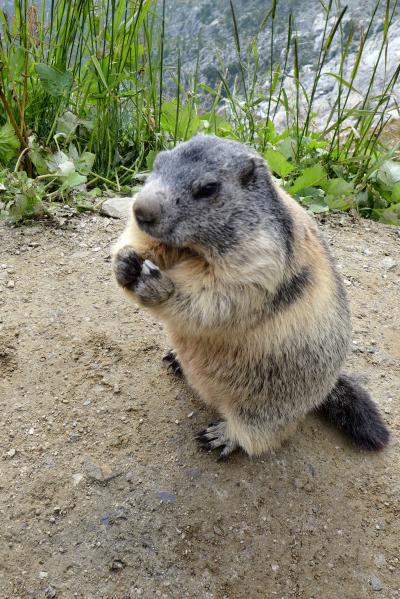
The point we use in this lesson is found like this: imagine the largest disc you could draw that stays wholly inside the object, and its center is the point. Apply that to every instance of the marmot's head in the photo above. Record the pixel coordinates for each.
(207, 192)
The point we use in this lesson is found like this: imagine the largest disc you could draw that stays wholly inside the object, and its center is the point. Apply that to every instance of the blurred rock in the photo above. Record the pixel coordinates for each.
(117, 207)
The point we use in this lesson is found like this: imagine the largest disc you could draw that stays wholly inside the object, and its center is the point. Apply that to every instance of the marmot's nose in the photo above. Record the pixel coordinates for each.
(147, 209)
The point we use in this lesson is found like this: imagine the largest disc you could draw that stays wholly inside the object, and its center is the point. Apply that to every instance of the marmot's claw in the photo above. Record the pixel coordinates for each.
(229, 448)
(215, 436)
(173, 363)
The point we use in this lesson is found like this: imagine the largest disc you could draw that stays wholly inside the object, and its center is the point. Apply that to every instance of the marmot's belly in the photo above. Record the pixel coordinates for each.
(293, 379)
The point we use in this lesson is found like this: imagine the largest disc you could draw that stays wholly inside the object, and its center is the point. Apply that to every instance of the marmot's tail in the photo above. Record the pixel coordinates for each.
(350, 408)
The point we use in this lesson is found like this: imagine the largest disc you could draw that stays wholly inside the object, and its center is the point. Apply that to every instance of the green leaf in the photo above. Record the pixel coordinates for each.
(73, 179)
(338, 187)
(16, 61)
(339, 194)
(38, 156)
(9, 143)
(390, 216)
(339, 203)
(310, 194)
(188, 121)
(150, 158)
(67, 124)
(276, 73)
(278, 163)
(85, 162)
(318, 208)
(396, 192)
(311, 176)
(214, 123)
(60, 164)
(99, 70)
(54, 82)
(288, 146)
(83, 206)
(388, 174)
(343, 82)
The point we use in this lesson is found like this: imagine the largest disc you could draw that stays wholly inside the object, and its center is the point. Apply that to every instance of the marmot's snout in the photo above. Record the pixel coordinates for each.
(147, 207)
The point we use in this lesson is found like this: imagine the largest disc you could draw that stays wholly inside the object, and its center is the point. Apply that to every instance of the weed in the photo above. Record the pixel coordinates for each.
(87, 98)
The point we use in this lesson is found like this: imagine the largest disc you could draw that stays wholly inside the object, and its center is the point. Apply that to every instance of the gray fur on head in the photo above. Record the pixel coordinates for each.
(212, 192)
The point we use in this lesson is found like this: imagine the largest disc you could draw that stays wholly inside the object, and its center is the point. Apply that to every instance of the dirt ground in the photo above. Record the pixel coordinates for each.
(103, 492)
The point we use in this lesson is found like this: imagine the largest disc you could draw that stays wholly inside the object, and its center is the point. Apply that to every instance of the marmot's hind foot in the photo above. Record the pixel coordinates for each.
(173, 363)
(215, 436)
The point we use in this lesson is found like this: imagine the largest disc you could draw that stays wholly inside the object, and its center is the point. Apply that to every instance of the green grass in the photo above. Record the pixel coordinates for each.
(87, 99)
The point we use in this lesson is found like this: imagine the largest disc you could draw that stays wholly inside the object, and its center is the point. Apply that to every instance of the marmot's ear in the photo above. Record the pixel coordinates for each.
(247, 170)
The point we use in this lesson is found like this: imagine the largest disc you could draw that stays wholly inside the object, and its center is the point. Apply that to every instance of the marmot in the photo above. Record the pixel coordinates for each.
(250, 296)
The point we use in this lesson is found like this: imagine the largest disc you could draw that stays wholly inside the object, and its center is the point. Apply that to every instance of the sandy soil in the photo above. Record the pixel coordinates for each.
(103, 493)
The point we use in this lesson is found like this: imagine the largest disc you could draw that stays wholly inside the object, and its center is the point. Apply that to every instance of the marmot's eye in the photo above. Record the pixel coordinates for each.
(207, 190)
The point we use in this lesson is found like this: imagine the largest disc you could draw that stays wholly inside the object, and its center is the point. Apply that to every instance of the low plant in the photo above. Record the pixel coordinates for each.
(87, 98)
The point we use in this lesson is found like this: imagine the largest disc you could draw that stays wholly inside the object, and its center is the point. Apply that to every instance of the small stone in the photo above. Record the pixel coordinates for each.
(274, 567)
(388, 263)
(117, 565)
(116, 388)
(167, 497)
(11, 284)
(190, 414)
(380, 560)
(11, 453)
(76, 479)
(117, 207)
(101, 473)
(87, 402)
(375, 583)
(50, 592)
(43, 575)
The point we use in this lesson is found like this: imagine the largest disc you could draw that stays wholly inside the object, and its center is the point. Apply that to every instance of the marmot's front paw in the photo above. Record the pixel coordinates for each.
(142, 277)
(128, 268)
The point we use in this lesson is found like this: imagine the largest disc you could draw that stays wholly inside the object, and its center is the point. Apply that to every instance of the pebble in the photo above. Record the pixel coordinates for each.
(380, 560)
(76, 479)
(43, 575)
(388, 263)
(375, 583)
(50, 593)
(11, 453)
(117, 565)
(117, 207)
(167, 497)
(274, 567)
(10, 284)
(100, 472)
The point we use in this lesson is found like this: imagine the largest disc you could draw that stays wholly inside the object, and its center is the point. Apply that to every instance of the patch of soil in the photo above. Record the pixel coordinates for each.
(103, 493)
